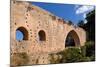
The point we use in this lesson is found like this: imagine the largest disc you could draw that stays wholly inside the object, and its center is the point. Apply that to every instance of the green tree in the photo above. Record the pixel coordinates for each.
(89, 26)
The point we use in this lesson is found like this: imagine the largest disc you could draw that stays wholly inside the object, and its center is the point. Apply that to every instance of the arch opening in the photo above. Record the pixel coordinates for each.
(21, 34)
(42, 35)
(72, 39)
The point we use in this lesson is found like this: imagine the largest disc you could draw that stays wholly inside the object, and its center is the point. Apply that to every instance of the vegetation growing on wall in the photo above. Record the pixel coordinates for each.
(19, 59)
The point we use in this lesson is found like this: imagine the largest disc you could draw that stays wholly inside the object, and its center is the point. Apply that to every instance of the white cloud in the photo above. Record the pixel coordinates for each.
(84, 9)
(84, 15)
(85, 21)
(76, 7)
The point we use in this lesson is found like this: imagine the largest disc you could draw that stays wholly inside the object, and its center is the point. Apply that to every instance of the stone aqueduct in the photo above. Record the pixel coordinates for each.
(43, 32)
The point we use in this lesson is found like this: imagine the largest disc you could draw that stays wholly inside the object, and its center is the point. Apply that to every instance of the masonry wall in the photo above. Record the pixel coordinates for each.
(34, 19)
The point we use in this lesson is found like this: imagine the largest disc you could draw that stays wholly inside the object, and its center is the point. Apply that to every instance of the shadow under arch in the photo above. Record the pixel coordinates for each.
(42, 35)
(24, 32)
(72, 39)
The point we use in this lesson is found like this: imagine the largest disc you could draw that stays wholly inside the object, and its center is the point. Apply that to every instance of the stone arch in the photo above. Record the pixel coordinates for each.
(42, 35)
(24, 31)
(72, 39)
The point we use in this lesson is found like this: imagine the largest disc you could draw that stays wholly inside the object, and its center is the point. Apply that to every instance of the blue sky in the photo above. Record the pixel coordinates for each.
(71, 12)
(19, 35)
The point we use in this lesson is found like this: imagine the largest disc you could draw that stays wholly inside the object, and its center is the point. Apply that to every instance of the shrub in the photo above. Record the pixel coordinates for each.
(74, 54)
(67, 56)
(83, 51)
(71, 55)
(90, 48)
(19, 59)
(54, 58)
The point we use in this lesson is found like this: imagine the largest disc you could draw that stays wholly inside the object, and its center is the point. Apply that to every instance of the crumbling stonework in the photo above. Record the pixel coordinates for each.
(44, 33)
